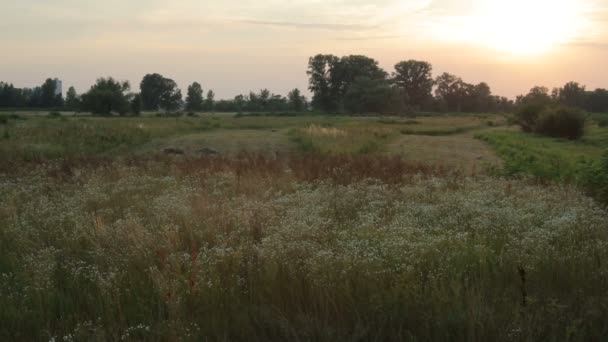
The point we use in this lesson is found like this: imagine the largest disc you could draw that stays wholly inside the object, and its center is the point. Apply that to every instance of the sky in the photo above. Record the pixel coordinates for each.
(234, 46)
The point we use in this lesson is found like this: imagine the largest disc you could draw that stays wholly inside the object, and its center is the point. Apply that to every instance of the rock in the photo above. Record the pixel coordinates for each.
(172, 150)
(207, 151)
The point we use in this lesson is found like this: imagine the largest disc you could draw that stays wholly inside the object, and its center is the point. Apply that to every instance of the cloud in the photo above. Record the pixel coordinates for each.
(313, 26)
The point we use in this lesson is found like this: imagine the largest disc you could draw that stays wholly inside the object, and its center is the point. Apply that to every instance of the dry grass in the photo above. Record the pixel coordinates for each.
(461, 151)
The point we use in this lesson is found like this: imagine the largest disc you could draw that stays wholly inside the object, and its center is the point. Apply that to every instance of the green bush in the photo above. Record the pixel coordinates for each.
(54, 115)
(603, 122)
(527, 116)
(553, 121)
(561, 122)
(3, 120)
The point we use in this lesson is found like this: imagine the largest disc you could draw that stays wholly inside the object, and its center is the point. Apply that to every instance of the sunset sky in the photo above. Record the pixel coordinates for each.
(240, 45)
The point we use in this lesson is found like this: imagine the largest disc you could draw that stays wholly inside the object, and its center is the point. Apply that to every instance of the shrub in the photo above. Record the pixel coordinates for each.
(527, 116)
(553, 121)
(3, 120)
(603, 122)
(54, 115)
(561, 122)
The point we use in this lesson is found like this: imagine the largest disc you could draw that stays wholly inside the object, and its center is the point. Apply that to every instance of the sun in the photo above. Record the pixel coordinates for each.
(518, 26)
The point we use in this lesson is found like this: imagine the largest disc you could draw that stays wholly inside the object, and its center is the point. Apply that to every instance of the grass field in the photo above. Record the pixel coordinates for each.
(311, 228)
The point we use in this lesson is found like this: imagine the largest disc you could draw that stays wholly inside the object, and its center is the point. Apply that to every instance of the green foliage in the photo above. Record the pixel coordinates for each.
(3, 119)
(527, 115)
(297, 102)
(603, 122)
(551, 120)
(209, 104)
(72, 101)
(158, 92)
(561, 122)
(54, 115)
(136, 105)
(194, 98)
(594, 177)
(107, 96)
(416, 79)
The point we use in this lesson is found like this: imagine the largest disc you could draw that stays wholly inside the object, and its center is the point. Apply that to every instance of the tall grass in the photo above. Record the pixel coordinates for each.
(310, 248)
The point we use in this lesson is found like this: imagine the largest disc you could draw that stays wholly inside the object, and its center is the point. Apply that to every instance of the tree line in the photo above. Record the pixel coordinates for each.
(350, 84)
(356, 84)
(157, 93)
(572, 94)
(43, 96)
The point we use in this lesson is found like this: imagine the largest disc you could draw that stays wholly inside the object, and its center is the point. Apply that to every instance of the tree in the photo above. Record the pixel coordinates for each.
(296, 101)
(49, 98)
(240, 103)
(330, 78)
(573, 94)
(71, 100)
(598, 101)
(416, 78)
(106, 96)
(209, 101)
(158, 92)
(194, 99)
(537, 96)
(367, 95)
(452, 92)
(136, 104)
(321, 82)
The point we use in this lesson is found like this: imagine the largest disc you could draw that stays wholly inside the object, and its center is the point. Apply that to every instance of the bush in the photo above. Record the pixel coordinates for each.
(603, 122)
(553, 121)
(54, 115)
(3, 120)
(561, 122)
(527, 116)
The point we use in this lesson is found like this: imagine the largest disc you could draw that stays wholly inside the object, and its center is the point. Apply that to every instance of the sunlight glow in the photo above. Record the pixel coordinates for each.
(518, 26)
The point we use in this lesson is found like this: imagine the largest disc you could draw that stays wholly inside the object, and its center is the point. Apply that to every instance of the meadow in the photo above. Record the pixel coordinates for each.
(225, 227)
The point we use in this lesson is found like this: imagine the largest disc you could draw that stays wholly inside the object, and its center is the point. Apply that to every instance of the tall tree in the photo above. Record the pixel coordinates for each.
(209, 101)
(49, 97)
(297, 102)
(171, 99)
(194, 98)
(106, 96)
(452, 91)
(321, 74)
(158, 92)
(416, 78)
(71, 99)
(330, 78)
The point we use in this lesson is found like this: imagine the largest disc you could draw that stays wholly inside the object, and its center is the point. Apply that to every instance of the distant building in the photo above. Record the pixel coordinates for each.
(58, 87)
